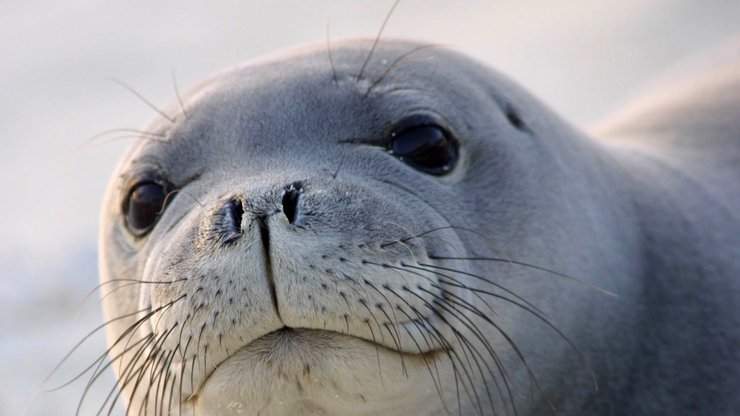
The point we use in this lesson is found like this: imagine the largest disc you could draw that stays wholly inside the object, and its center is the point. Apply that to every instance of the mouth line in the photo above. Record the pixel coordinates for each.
(423, 355)
(287, 329)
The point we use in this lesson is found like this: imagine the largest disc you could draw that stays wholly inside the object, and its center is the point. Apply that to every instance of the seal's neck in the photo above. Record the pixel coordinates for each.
(672, 307)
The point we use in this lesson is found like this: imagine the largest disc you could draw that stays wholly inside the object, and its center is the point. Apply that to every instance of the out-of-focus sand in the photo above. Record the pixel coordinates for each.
(582, 57)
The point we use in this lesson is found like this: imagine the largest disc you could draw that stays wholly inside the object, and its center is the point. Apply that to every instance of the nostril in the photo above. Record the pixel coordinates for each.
(290, 201)
(230, 226)
(236, 212)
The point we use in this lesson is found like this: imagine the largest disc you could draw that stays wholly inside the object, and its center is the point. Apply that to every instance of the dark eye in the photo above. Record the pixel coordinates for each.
(143, 206)
(427, 148)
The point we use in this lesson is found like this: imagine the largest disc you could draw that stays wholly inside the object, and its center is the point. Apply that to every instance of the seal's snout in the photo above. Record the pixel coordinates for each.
(228, 220)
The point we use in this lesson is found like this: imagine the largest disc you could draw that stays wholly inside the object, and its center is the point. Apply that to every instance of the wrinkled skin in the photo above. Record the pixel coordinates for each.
(382, 289)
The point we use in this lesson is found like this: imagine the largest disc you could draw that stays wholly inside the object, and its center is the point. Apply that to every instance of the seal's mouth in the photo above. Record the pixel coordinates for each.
(303, 336)
(286, 341)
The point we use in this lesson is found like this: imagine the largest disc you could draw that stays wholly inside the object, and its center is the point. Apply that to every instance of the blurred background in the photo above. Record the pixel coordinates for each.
(583, 58)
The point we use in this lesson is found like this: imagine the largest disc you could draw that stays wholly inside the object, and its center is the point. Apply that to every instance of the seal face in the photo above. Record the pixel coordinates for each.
(295, 237)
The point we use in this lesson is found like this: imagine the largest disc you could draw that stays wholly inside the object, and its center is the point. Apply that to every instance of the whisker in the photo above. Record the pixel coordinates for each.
(526, 306)
(331, 58)
(126, 130)
(150, 367)
(93, 378)
(177, 94)
(377, 39)
(494, 284)
(479, 335)
(470, 325)
(147, 340)
(167, 378)
(100, 360)
(450, 352)
(395, 323)
(156, 369)
(437, 382)
(138, 134)
(142, 98)
(497, 247)
(532, 266)
(377, 353)
(182, 371)
(457, 336)
(130, 371)
(443, 341)
(98, 371)
(395, 63)
(172, 386)
(129, 282)
(85, 338)
(172, 193)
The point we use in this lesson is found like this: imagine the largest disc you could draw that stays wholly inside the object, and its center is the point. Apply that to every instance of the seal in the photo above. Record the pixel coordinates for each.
(394, 229)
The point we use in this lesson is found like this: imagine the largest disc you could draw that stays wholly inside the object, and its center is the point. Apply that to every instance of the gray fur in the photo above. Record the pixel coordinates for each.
(648, 211)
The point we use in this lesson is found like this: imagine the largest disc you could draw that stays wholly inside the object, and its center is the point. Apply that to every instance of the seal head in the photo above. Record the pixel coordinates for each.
(420, 236)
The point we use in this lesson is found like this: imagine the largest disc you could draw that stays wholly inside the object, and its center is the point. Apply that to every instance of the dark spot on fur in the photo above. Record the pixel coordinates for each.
(514, 119)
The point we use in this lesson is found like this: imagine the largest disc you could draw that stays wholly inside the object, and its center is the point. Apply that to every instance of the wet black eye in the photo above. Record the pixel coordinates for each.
(143, 206)
(427, 148)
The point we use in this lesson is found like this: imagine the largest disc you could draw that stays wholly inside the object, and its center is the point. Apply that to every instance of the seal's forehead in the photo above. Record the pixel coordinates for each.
(348, 58)
(306, 99)
(352, 67)
(316, 84)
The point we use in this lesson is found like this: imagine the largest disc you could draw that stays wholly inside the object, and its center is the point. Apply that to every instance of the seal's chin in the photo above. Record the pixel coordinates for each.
(310, 371)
